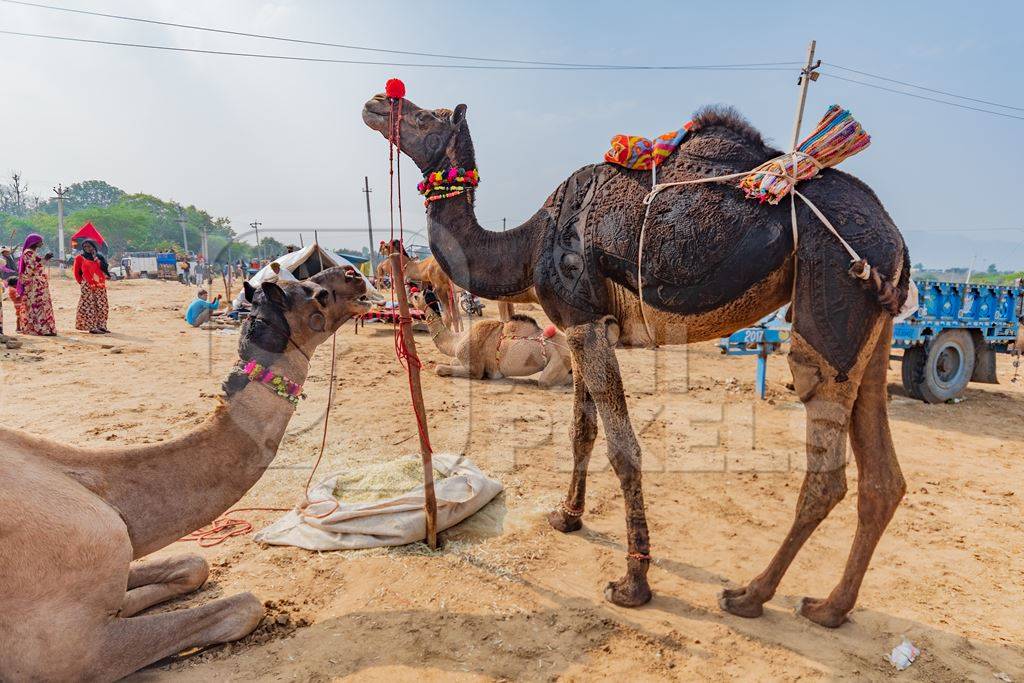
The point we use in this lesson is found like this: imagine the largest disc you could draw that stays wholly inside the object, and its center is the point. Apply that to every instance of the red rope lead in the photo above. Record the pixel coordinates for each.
(407, 358)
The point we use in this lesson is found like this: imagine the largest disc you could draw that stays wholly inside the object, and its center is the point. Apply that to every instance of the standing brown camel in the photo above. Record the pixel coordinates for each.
(75, 519)
(713, 262)
(427, 271)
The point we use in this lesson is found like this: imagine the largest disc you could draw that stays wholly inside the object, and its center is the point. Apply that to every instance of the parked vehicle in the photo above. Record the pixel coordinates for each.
(470, 304)
(950, 340)
(954, 336)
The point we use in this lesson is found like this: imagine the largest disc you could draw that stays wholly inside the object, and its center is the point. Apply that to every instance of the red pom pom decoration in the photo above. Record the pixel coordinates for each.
(550, 331)
(394, 89)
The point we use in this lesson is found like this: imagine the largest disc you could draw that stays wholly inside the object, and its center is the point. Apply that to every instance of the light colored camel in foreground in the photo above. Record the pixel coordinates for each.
(492, 349)
(73, 520)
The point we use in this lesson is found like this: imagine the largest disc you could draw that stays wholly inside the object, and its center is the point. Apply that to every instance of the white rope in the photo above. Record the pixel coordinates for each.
(795, 156)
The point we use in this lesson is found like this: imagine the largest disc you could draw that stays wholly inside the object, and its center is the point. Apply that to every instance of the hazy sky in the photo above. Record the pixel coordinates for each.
(284, 142)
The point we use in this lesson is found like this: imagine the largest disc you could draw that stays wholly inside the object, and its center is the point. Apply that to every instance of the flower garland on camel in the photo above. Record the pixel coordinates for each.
(437, 185)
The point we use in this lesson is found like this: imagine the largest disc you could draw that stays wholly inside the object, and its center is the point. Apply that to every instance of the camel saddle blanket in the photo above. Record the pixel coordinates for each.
(353, 516)
(640, 154)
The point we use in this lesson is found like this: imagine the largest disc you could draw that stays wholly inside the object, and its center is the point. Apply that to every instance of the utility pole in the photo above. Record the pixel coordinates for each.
(255, 225)
(503, 225)
(807, 74)
(369, 224)
(59, 191)
(206, 254)
(184, 233)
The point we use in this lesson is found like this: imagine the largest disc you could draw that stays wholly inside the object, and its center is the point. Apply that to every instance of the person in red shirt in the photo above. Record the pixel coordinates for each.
(19, 304)
(91, 272)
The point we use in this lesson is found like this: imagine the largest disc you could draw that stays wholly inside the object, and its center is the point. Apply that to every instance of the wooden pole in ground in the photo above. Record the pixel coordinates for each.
(429, 498)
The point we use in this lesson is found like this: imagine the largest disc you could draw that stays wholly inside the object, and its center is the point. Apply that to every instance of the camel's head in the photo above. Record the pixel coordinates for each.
(394, 246)
(307, 312)
(428, 136)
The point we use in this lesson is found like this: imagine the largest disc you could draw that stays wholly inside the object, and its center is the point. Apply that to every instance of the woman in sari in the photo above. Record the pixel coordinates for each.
(91, 272)
(34, 289)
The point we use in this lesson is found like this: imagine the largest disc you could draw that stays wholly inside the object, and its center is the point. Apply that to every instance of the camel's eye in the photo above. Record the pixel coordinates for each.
(322, 297)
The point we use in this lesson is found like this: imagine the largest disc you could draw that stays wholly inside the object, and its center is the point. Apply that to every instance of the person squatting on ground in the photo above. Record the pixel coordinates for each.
(91, 272)
(200, 310)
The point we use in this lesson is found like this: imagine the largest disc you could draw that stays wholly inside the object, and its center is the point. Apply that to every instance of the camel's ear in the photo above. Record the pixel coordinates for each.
(458, 114)
(275, 294)
(249, 291)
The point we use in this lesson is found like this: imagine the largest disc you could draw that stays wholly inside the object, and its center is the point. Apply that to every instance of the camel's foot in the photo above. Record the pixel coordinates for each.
(628, 591)
(562, 521)
(742, 602)
(244, 612)
(151, 582)
(821, 612)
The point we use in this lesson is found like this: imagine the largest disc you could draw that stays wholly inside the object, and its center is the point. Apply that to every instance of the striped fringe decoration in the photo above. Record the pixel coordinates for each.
(837, 137)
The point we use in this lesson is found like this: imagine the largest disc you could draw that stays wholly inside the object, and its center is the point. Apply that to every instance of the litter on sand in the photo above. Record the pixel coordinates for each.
(903, 655)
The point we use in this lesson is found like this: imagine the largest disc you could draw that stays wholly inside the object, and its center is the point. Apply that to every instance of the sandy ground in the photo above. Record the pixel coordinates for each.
(513, 599)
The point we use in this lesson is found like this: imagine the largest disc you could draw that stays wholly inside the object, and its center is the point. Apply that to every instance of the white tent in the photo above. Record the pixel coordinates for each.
(300, 265)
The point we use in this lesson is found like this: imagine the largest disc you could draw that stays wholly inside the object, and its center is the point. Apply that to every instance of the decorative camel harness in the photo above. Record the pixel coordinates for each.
(544, 338)
(836, 137)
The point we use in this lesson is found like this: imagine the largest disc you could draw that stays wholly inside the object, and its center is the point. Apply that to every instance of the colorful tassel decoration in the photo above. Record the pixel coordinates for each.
(837, 137)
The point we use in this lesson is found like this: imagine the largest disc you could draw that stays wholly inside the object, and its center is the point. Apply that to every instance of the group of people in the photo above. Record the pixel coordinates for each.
(27, 285)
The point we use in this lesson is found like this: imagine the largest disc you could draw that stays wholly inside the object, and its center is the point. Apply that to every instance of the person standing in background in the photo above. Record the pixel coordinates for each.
(34, 288)
(91, 272)
(19, 303)
(9, 266)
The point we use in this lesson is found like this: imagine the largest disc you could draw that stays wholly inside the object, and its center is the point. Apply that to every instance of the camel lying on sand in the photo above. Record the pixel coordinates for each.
(492, 349)
(74, 520)
(713, 262)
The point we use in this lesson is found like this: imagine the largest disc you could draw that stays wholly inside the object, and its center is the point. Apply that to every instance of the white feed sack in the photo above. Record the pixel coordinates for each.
(382, 505)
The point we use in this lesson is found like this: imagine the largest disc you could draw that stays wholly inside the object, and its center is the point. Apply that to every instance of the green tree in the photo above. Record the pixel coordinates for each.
(124, 228)
(85, 195)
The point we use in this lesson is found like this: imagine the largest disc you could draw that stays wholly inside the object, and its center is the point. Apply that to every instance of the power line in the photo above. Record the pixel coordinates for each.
(922, 97)
(921, 87)
(325, 60)
(347, 46)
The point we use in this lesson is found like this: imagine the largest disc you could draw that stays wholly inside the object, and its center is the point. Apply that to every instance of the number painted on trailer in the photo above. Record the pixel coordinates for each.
(753, 336)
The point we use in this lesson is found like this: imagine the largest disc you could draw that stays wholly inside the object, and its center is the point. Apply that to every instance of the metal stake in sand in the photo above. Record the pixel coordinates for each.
(406, 345)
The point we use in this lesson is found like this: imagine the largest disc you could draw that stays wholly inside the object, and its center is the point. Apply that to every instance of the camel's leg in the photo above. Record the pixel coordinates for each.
(155, 581)
(568, 516)
(829, 404)
(454, 371)
(505, 311)
(554, 374)
(880, 486)
(126, 645)
(599, 369)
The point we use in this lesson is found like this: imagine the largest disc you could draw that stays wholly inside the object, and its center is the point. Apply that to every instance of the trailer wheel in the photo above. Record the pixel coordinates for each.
(948, 366)
(913, 371)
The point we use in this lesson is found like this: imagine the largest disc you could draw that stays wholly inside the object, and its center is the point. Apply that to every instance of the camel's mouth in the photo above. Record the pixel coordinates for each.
(376, 113)
(368, 300)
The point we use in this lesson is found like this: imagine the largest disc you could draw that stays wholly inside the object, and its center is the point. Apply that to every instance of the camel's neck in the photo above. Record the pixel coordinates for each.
(167, 490)
(489, 264)
(444, 339)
